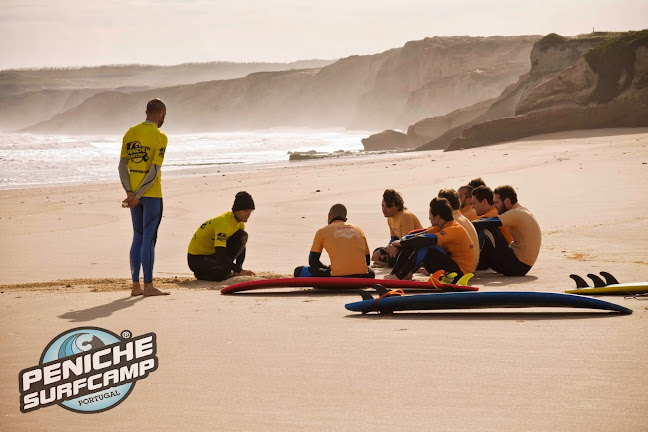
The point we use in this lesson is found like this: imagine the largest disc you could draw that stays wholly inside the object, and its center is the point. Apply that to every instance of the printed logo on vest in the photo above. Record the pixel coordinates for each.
(137, 152)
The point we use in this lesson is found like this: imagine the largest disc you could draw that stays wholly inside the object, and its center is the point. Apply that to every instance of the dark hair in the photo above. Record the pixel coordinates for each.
(468, 189)
(441, 207)
(393, 198)
(452, 196)
(506, 191)
(476, 182)
(338, 210)
(483, 193)
(155, 106)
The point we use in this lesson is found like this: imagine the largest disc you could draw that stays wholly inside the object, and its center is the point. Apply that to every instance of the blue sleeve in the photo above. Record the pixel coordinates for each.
(482, 224)
(392, 239)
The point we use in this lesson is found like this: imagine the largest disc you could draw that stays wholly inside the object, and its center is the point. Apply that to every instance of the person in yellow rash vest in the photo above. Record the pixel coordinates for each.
(140, 164)
(217, 249)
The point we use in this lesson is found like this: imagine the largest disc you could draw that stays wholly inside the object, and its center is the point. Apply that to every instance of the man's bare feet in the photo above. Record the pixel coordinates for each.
(137, 289)
(390, 276)
(150, 290)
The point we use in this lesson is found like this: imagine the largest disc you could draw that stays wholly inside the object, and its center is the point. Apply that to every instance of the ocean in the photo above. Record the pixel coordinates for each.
(28, 160)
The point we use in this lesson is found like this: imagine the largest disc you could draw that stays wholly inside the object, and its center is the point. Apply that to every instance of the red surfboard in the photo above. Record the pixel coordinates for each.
(341, 283)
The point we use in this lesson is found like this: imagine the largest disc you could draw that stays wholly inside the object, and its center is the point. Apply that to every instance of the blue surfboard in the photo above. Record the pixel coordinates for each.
(480, 300)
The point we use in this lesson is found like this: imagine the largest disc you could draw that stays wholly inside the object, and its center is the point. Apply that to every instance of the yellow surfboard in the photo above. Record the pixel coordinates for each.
(624, 288)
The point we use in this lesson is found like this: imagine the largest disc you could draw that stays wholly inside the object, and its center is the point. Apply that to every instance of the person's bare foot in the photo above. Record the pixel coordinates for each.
(150, 290)
(137, 289)
(390, 277)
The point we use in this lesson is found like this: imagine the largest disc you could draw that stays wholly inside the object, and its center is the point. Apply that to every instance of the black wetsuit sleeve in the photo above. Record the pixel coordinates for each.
(483, 224)
(314, 260)
(368, 258)
(123, 174)
(238, 265)
(221, 254)
(392, 239)
(148, 180)
(418, 241)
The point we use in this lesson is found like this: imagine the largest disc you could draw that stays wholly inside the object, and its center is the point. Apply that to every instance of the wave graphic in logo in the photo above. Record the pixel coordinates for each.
(78, 341)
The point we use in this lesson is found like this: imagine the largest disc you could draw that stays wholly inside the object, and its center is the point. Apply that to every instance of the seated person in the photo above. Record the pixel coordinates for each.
(465, 203)
(346, 246)
(453, 198)
(517, 258)
(482, 202)
(446, 245)
(400, 222)
(476, 182)
(217, 248)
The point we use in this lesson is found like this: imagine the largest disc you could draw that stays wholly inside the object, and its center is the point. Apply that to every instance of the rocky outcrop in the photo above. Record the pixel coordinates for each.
(386, 140)
(434, 75)
(584, 82)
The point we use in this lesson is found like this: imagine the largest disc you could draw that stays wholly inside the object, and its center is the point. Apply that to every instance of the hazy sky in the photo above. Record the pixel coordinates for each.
(92, 32)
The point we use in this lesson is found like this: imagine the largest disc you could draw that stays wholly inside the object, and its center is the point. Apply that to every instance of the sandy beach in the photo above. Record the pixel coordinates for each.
(293, 360)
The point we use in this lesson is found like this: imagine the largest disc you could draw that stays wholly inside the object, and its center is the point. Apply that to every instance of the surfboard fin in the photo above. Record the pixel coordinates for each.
(609, 279)
(381, 290)
(580, 282)
(463, 280)
(365, 295)
(448, 277)
(598, 282)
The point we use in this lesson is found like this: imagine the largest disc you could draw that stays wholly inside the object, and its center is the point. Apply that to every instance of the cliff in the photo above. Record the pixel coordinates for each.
(585, 82)
(434, 75)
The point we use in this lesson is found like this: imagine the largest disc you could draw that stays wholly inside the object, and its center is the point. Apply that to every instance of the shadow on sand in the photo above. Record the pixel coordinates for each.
(101, 311)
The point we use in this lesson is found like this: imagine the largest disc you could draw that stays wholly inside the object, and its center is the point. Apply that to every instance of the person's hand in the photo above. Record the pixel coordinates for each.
(392, 248)
(130, 201)
(244, 273)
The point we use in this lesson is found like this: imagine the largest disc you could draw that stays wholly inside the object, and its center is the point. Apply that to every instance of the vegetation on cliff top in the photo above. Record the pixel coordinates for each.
(613, 60)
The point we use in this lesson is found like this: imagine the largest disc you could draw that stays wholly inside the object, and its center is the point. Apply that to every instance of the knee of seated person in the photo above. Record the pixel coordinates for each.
(302, 271)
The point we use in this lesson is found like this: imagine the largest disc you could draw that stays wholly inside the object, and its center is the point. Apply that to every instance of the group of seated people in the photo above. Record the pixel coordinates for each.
(474, 228)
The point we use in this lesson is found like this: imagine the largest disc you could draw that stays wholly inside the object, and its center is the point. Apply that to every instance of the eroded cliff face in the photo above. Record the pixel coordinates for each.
(586, 82)
(435, 75)
(438, 75)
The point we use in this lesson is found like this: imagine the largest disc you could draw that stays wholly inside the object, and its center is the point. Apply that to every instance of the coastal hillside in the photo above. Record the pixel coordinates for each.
(424, 78)
(590, 81)
(31, 96)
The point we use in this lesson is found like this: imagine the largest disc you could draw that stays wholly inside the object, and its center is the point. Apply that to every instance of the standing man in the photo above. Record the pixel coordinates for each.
(400, 221)
(217, 248)
(346, 246)
(142, 154)
(517, 258)
(444, 246)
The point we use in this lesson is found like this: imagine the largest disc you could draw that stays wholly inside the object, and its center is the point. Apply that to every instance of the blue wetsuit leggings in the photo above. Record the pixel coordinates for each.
(146, 220)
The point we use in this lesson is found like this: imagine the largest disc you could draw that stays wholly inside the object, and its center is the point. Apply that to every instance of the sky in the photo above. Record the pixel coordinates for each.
(60, 33)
